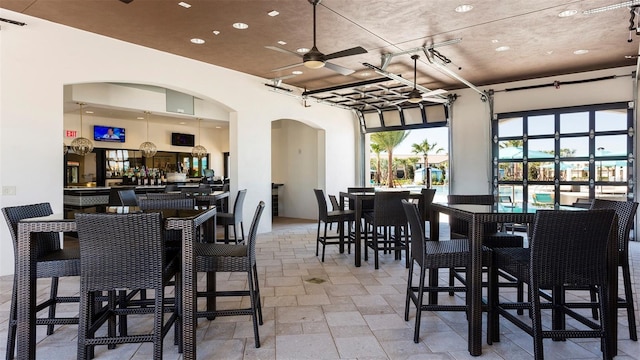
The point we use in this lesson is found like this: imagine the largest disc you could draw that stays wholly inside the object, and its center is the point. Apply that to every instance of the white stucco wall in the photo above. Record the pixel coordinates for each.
(37, 60)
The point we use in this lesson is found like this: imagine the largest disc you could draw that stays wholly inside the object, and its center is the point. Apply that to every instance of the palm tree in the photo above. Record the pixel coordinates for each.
(511, 143)
(376, 150)
(424, 148)
(388, 140)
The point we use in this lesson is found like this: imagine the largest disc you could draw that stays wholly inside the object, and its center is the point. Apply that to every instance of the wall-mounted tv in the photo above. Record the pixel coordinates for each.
(108, 133)
(178, 139)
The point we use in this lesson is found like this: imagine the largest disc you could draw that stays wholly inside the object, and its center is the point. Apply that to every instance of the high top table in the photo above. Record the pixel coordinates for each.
(187, 221)
(358, 198)
(477, 216)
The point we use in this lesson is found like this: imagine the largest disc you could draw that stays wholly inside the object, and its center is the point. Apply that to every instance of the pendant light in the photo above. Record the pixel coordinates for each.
(148, 148)
(81, 146)
(415, 96)
(199, 150)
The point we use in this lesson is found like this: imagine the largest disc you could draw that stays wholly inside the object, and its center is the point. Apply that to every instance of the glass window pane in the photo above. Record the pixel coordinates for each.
(540, 148)
(541, 171)
(391, 118)
(540, 125)
(611, 145)
(511, 149)
(607, 120)
(435, 113)
(510, 192)
(574, 147)
(574, 122)
(510, 171)
(510, 127)
(574, 171)
(412, 116)
(610, 192)
(371, 120)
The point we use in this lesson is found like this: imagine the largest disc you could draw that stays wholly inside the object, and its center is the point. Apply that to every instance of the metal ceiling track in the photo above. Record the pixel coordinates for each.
(433, 58)
(386, 58)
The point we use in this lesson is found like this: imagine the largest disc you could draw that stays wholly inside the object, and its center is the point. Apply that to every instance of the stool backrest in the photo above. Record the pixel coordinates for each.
(121, 250)
(571, 247)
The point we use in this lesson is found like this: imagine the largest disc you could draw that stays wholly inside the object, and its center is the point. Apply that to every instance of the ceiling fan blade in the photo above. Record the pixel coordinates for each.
(348, 52)
(339, 69)
(434, 93)
(283, 50)
(394, 103)
(287, 67)
(436, 100)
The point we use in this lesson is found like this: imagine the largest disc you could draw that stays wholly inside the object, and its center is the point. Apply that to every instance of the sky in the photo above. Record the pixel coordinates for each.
(439, 135)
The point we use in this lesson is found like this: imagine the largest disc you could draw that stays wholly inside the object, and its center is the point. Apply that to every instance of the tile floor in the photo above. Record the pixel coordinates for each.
(329, 310)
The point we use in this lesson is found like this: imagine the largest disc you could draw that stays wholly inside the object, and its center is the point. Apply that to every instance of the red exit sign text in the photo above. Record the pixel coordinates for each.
(71, 133)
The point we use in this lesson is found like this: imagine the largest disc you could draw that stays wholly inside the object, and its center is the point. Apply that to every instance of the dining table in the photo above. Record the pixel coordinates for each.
(356, 201)
(476, 216)
(188, 221)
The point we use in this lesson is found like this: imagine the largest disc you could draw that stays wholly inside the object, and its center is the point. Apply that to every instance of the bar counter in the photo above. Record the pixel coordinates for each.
(87, 196)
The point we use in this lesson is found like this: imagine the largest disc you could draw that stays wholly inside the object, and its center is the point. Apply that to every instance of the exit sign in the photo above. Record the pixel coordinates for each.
(72, 133)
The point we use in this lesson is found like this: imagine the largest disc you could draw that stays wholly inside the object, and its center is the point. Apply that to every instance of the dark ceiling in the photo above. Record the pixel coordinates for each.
(539, 41)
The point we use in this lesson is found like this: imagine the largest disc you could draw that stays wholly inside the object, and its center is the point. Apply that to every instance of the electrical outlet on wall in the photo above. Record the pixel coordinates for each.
(8, 190)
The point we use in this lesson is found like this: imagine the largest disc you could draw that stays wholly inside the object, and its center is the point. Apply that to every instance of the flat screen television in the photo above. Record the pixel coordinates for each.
(108, 133)
(178, 139)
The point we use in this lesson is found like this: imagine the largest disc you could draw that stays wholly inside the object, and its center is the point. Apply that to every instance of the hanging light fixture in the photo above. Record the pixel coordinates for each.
(199, 150)
(415, 96)
(81, 145)
(148, 148)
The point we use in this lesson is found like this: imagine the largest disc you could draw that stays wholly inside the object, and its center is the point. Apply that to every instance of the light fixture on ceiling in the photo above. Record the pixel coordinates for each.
(148, 148)
(567, 13)
(415, 96)
(81, 145)
(463, 8)
(199, 151)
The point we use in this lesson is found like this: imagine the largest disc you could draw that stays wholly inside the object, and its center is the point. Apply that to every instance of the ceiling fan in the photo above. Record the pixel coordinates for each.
(314, 59)
(416, 96)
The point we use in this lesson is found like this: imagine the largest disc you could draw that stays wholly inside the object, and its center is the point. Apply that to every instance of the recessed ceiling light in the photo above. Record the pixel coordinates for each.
(240, 26)
(464, 8)
(549, 52)
(218, 127)
(273, 13)
(182, 123)
(567, 13)
(581, 52)
(365, 73)
(502, 48)
(197, 41)
(140, 118)
(282, 42)
(495, 41)
(184, 4)
(88, 112)
(216, 32)
(297, 72)
(302, 50)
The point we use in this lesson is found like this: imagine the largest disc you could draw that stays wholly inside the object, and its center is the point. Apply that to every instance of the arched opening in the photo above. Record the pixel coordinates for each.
(298, 163)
